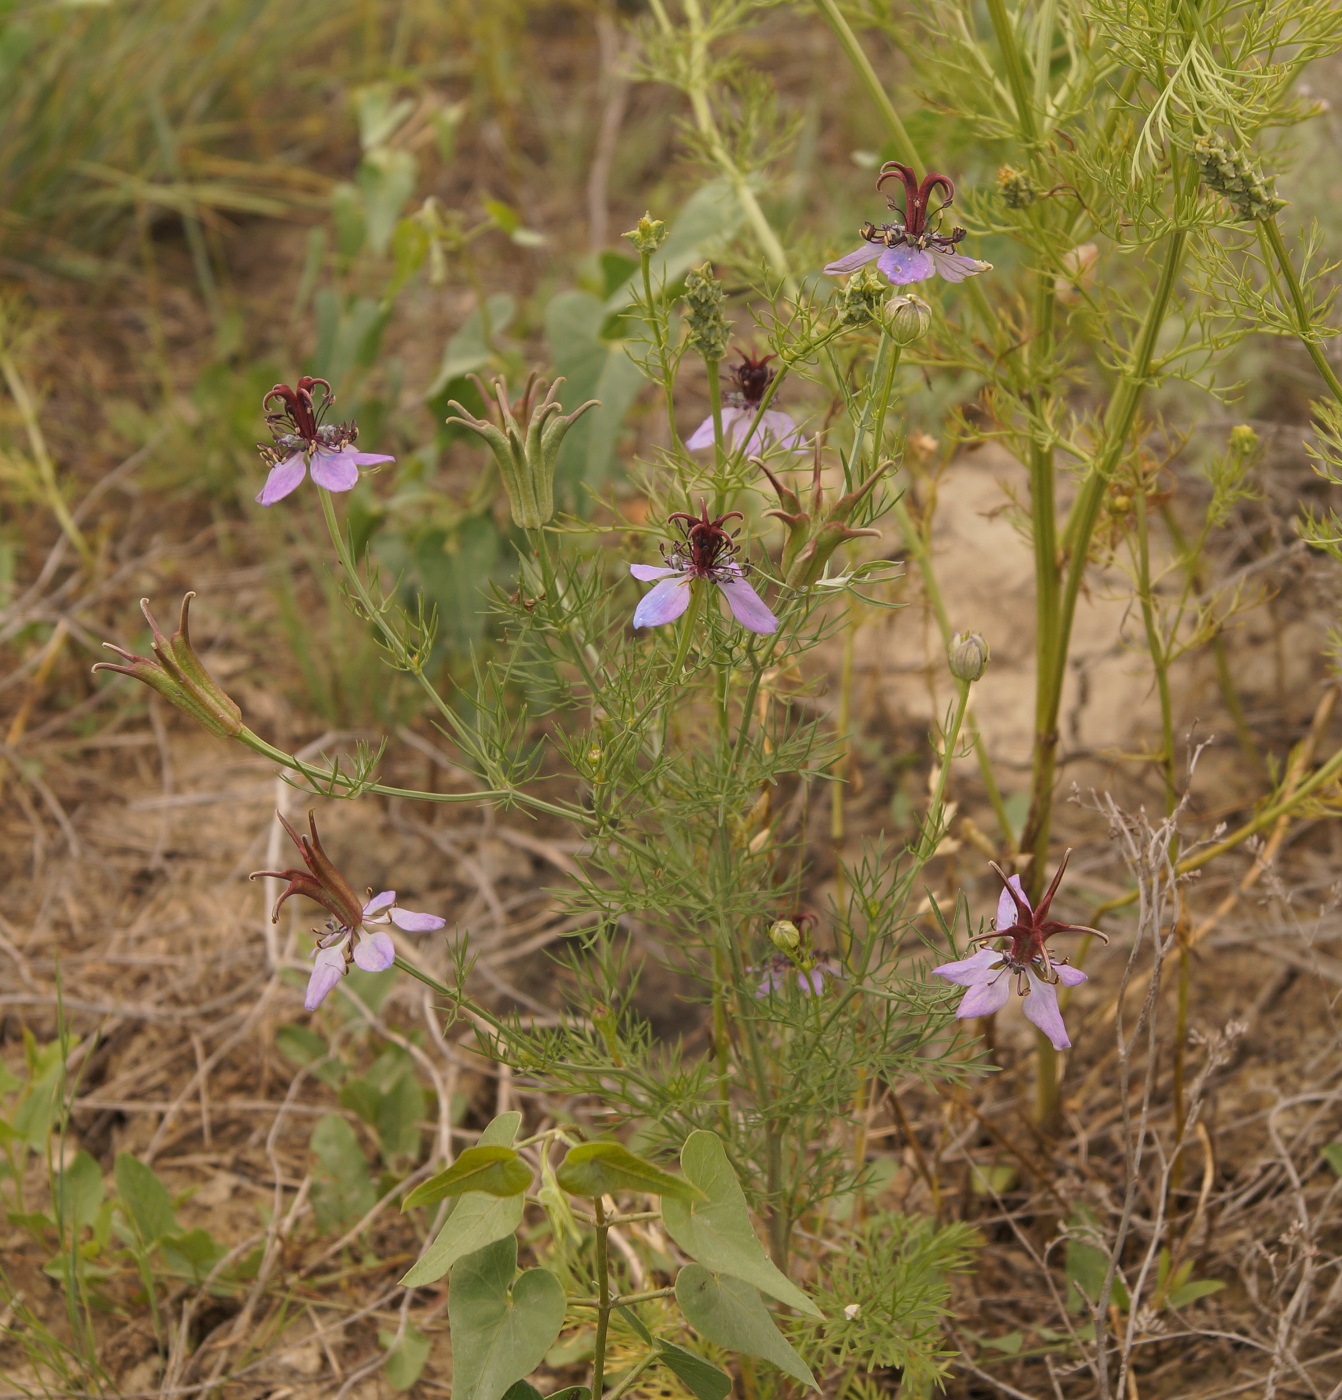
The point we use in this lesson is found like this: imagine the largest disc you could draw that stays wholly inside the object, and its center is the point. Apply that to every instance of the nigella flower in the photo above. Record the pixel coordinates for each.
(704, 552)
(779, 970)
(346, 938)
(750, 380)
(303, 443)
(987, 974)
(910, 251)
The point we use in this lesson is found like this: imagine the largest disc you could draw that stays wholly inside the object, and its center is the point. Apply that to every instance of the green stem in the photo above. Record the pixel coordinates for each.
(930, 836)
(458, 997)
(603, 1293)
(1015, 67)
(1155, 644)
(663, 350)
(1270, 235)
(903, 143)
(627, 1381)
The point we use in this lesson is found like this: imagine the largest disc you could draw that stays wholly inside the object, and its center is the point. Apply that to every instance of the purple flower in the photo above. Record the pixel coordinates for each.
(779, 969)
(303, 443)
(345, 938)
(704, 552)
(987, 973)
(909, 251)
(750, 379)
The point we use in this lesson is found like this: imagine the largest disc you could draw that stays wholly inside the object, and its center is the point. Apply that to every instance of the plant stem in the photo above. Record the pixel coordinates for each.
(930, 836)
(903, 143)
(603, 1294)
(1269, 235)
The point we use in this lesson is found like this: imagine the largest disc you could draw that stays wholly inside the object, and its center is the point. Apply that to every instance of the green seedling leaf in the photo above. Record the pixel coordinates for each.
(718, 1231)
(1086, 1265)
(386, 180)
(302, 1046)
(1332, 1154)
(476, 1221)
(502, 1323)
(1191, 1292)
(730, 1313)
(79, 1192)
(405, 1357)
(145, 1198)
(342, 1190)
(499, 1171)
(192, 1253)
(522, 1390)
(594, 1169)
(702, 1378)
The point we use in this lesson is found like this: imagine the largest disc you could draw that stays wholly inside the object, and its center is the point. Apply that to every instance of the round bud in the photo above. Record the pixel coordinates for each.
(785, 936)
(967, 656)
(907, 319)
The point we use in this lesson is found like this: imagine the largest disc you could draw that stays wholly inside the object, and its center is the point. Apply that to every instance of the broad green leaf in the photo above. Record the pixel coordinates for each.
(702, 1377)
(1086, 1265)
(476, 1221)
(342, 1190)
(718, 1231)
(499, 1171)
(730, 1313)
(469, 350)
(594, 1169)
(502, 1323)
(145, 1197)
(522, 1390)
(406, 1357)
(1191, 1292)
(593, 367)
(79, 1192)
(192, 1252)
(1332, 1154)
(400, 1110)
(386, 178)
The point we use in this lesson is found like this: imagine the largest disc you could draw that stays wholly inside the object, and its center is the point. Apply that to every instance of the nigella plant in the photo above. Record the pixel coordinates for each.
(750, 381)
(304, 443)
(913, 248)
(705, 551)
(987, 974)
(345, 938)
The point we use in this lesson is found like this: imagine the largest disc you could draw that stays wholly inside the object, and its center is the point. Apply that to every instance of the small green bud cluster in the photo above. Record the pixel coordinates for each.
(967, 656)
(862, 298)
(709, 329)
(647, 235)
(1016, 188)
(907, 319)
(1229, 173)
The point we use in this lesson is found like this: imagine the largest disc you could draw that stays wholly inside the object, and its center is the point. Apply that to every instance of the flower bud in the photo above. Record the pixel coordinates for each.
(967, 656)
(1231, 174)
(785, 936)
(1243, 440)
(648, 235)
(525, 444)
(907, 319)
(179, 675)
(709, 329)
(862, 298)
(1016, 188)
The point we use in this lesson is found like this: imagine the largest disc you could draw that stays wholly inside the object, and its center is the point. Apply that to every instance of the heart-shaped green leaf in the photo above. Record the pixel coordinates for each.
(594, 1169)
(502, 1323)
(499, 1171)
(730, 1313)
(717, 1231)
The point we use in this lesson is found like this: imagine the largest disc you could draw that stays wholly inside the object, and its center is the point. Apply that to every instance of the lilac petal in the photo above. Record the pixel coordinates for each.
(665, 603)
(1008, 914)
(378, 903)
(336, 471)
(327, 969)
(955, 267)
(284, 477)
(747, 606)
(412, 922)
(771, 982)
(702, 436)
(375, 952)
(648, 573)
(850, 262)
(970, 971)
(903, 265)
(1041, 1009)
(988, 996)
(780, 427)
(1069, 976)
(368, 459)
(733, 420)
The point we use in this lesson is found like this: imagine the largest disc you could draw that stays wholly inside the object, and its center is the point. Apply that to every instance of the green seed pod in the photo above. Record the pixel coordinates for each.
(709, 329)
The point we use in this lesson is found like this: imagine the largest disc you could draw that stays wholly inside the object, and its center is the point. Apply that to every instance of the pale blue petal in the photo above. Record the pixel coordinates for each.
(328, 968)
(903, 264)
(747, 606)
(1041, 1009)
(987, 996)
(665, 603)
(649, 573)
(375, 952)
(412, 922)
(955, 267)
(1008, 914)
(970, 971)
(284, 477)
(850, 262)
